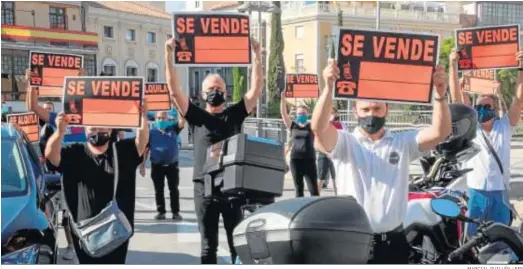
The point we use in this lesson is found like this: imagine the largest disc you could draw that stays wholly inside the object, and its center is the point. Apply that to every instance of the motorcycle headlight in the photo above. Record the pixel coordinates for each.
(28, 255)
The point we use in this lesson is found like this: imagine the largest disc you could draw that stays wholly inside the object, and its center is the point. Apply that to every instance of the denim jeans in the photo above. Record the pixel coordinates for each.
(487, 206)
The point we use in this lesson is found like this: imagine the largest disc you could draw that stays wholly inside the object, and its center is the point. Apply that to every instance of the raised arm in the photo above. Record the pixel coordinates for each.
(502, 107)
(441, 126)
(514, 112)
(454, 83)
(283, 111)
(325, 134)
(251, 97)
(142, 136)
(31, 102)
(171, 76)
(54, 144)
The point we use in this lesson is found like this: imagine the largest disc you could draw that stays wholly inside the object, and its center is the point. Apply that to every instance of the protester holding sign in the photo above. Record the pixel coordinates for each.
(213, 125)
(77, 134)
(164, 148)
(381, 192)
(303, 155)
(489, 180)
(325, 165)
(88, 177)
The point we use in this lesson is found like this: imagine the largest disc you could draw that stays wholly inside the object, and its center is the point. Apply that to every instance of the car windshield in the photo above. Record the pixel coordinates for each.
(14, 180)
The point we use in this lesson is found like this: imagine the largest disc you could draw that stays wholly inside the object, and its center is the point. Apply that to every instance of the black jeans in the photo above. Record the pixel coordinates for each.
(118, 256)
(394, 250)
(305, 168)
(172, 173)
(208, 213)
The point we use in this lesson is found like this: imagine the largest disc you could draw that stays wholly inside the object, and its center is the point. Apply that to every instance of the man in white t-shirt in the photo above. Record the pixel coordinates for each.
(372, 163)
(488, 183)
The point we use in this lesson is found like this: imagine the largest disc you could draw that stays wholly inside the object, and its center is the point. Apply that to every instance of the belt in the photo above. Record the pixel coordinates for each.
(385, 237)
(165, 165)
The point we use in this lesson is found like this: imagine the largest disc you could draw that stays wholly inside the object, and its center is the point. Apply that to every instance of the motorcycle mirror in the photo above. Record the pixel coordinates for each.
(445, 208)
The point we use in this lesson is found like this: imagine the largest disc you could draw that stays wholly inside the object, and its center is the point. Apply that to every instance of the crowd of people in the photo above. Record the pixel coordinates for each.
(350, 158)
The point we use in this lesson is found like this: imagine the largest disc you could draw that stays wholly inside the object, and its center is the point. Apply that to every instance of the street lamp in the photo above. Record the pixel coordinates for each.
(259, 6)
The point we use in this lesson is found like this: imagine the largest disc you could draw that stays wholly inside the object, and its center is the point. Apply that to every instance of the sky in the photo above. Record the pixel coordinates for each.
(174, 5)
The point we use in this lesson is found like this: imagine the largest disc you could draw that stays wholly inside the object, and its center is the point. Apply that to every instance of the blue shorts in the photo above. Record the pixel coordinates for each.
(487, 206)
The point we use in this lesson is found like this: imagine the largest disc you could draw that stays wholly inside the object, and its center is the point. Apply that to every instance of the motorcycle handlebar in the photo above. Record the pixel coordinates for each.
(466, 247)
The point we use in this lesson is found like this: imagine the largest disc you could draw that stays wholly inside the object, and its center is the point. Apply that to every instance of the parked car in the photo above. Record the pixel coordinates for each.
(29, 215)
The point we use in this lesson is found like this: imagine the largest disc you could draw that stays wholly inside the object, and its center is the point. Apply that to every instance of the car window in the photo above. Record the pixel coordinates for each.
(14, 180)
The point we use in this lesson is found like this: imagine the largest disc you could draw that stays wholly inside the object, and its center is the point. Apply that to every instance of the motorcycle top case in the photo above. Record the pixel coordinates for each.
(245, 164)
(307, 230)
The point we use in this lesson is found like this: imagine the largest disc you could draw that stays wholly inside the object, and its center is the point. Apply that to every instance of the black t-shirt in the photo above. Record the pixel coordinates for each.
(303, 142)
(210, 129)
(89, 179)
(45, 133)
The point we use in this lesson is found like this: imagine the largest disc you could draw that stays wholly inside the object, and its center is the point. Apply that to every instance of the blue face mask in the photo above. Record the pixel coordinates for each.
(484, 113)
(5, 108)
(301, 119)
(162, 124)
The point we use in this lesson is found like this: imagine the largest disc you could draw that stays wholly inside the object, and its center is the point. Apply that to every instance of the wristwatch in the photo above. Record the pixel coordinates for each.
(443, 98)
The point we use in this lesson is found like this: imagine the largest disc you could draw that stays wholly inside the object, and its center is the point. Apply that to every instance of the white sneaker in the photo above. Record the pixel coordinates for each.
(69, 253)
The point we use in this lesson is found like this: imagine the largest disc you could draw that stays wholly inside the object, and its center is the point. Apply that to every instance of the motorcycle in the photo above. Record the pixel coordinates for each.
(494, 243)
(430, 236)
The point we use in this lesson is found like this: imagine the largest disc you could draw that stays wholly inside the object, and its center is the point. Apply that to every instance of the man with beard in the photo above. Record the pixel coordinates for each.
(213, 124)
(488, 182)
(88, 177)
(372, 163)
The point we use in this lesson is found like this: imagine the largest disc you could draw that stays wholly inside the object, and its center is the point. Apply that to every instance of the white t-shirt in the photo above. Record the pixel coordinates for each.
(486, 174)
(376, 174)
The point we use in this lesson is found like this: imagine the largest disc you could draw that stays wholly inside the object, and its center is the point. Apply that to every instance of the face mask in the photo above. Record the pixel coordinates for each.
(162, 124)
(301, 119)
(215, 98)
(98, 139)
(5, 108)
(484, 113)
(371, 124)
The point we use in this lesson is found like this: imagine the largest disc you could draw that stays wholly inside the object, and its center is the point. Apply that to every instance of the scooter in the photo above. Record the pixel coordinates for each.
(495, 243)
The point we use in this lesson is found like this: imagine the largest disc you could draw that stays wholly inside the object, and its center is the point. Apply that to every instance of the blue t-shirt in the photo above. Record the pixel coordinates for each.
(164, 146)
(72, 134)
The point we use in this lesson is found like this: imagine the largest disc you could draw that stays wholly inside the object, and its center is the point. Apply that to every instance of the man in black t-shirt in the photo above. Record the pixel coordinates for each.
(213, 125)
(88, 177)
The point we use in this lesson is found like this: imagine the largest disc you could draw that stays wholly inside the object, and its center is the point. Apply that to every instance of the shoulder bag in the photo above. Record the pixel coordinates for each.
(108, 230)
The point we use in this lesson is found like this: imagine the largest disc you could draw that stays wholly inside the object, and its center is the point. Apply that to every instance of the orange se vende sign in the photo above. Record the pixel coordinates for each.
(386, 66)
(211, 39)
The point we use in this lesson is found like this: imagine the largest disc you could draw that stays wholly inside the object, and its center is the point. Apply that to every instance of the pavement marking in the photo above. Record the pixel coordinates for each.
(223, 254)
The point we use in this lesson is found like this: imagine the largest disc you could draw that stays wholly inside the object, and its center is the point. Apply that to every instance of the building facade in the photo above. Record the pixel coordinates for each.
(132, 37)
(41, 26)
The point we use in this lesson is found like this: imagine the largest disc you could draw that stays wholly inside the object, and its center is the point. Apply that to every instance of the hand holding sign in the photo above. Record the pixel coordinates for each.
(331, 73)
(61, 122)
(519, 57)
(453, 57)
(82, 72)
(256, 48)
(497, 87)
(170, 44)
(440, 81)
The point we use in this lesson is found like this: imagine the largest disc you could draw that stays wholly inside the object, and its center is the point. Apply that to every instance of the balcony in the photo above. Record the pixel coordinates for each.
(296, 10)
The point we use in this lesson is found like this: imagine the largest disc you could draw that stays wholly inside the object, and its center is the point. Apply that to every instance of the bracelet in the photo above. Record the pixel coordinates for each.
(444, 98)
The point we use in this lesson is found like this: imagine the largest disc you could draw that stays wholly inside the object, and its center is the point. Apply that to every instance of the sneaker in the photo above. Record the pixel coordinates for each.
(69, 253)
(177, 217)
(159, 216)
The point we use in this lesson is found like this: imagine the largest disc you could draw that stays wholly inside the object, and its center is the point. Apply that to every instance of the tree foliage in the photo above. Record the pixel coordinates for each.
(276, 72)
(239, 76)
(508, 79)
(445, 49)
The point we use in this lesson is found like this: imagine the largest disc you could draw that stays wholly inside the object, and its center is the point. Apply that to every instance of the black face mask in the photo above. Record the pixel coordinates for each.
(215, 98)
(371, 124)
(98, 139)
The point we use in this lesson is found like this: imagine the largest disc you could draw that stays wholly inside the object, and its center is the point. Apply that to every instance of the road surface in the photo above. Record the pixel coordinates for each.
(166, 242)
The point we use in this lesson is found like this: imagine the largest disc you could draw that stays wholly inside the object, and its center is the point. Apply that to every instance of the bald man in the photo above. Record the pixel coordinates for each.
(213, 124)
(163, 145)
